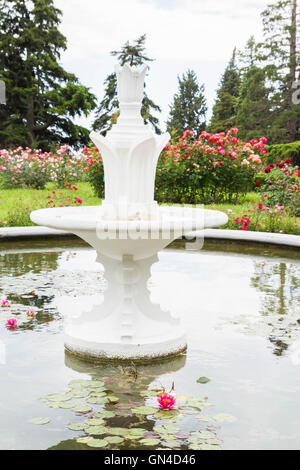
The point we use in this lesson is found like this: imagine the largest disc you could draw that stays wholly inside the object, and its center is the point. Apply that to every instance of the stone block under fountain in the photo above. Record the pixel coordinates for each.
(127, 231)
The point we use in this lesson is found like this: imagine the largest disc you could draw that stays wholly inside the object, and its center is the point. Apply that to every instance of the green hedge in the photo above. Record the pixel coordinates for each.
(280, 152)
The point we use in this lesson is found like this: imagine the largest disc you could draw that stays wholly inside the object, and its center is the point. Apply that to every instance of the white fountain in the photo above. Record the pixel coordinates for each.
(128, 231)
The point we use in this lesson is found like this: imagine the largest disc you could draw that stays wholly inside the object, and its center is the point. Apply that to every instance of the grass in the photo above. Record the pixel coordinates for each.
(17, 204)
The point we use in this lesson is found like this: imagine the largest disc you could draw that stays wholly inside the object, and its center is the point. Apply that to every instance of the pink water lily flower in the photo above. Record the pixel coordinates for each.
(5, 303)
(166, 401)
(12, 323)
(30, 314)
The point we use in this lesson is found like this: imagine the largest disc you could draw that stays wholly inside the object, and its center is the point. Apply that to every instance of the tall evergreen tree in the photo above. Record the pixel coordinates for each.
(134, 55)
(224, 111)
(188, 109)
(280, 54)
(254, 114)
(42, 98)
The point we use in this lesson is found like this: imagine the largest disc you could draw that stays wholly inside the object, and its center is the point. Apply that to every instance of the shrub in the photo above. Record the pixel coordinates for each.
(94, 170)
(281, 183)
(212, 168)
(279, 152)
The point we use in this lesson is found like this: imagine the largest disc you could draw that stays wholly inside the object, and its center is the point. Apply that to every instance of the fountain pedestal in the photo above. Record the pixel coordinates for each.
(127, 325)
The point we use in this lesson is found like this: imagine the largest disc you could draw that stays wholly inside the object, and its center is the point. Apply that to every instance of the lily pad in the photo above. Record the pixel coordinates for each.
(97, 400)
(66, 406)
(76, 426)
(83, 409)
(84, 440)
(118, 432)
(96, 430)
(59, 397)
(144, 410)
(94, 422)
(39, 421)
(203, 380)
(105, 414)
(97, 443)
(114, 439)
(150, 442)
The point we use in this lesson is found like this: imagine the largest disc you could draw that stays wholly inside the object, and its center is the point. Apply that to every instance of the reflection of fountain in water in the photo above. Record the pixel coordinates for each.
(127, 386)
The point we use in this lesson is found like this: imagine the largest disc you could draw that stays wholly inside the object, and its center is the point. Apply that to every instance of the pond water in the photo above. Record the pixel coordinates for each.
(240, 307)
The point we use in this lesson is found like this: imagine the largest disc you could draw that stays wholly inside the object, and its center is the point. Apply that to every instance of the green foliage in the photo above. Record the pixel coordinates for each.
(95, 173)
(42, 98)
(278, 152)
(254, 117)
(189, 106)
(134, 55)
(224, 111)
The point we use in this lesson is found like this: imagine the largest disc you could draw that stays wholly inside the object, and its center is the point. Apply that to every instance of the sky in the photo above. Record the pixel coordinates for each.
(181, 35)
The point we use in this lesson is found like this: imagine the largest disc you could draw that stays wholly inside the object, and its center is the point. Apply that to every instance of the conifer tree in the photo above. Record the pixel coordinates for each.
(224, 111)
(42, 98)
(189, 108)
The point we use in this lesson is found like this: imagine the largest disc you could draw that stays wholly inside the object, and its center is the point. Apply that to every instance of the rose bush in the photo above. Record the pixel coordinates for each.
(281, 183)
(211, 168)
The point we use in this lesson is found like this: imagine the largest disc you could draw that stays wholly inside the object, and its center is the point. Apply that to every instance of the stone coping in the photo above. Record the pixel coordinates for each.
(14, 233)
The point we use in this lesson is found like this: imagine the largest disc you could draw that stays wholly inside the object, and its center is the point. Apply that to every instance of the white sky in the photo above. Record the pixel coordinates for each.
(181, 34)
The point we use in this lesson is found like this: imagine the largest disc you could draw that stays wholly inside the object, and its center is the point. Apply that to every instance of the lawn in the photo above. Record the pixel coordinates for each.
(17, 204)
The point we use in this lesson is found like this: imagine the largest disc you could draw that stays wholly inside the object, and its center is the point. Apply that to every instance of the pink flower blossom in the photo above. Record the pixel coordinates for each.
(166, 401)
(5, 303)
(12, 323)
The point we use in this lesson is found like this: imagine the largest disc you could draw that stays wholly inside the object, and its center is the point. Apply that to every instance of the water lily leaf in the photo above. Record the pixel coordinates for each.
(94, 422)
(182, 435)
(118, 432)
(202, 435)
(97, 400)
(80, 393)
(97, 394)
(79, 383)
(203, 380)
(39, 421)
(83, 409)
(96, 430)
(59, 397)
(96, 383)
(144, 410)
(171, 444)
(97, 443)
(66, 405)
(151, 435)
(114, 439)
(76, 426)
(149, 393)
(169, 415)
(150, 442)
(224, 417)
(209, 447)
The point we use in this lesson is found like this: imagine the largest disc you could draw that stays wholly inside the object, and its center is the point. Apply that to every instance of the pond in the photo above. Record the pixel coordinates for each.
(240, 307)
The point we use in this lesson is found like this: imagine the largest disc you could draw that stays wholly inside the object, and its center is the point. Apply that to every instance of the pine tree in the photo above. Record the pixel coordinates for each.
(224, 111)
(280, 54)
(188, 109)
(134, 55)
(254, 115)
(42, 98)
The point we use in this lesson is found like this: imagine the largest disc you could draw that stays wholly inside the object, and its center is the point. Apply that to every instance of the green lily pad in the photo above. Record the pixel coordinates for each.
(203, 380)
(96, 384)
(84, 440)
(97, 400)
(76, 426)
(118, 432)
(83, 409)
(97, 443)
(66, 406)
(150, 442)
(96, 430)
(80, 393)
(171, 444)
(112, 399)
(209, 447)
(94, 422)
(59, 397)
(39, 421)
(114, 439)
(79, 383)
(144, 410)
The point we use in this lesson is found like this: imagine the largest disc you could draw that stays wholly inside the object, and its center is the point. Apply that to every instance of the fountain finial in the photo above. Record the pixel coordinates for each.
(130, 152)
